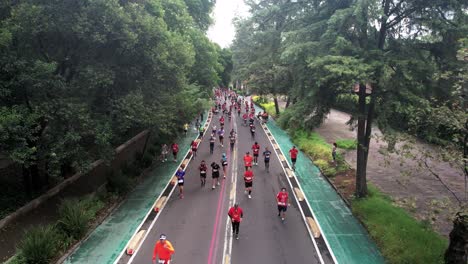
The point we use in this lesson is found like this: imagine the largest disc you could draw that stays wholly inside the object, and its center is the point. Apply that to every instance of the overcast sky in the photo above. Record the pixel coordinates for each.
(222, 31)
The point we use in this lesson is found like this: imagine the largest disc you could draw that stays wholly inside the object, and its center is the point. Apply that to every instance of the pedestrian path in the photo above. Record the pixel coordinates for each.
(346, 237)
(109, 239)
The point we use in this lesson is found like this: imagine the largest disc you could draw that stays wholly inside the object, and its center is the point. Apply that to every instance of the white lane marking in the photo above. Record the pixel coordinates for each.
(232, 199)
(266, 130)
(160, 209)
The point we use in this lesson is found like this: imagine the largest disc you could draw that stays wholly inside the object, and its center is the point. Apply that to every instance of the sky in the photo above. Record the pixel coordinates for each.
(223, 31)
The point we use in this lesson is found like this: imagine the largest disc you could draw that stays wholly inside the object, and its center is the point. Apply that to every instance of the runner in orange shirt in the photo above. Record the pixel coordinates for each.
(164, 250)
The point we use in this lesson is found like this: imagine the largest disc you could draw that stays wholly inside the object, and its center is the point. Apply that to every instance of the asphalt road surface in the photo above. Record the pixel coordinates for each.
(198, 225)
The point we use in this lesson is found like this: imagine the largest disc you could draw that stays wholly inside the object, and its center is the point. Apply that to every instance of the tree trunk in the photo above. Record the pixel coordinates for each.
(457, 251)
(288, 101)
(361, 181)
(276, 106)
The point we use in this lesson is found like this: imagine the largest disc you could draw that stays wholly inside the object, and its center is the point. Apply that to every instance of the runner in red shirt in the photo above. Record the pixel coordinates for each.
(236, 214)
(293, 154)
(256, 151)
(194, 146)
(175, 150)
(283, 201)
(248, 160)
(221, 120)
(248, 179)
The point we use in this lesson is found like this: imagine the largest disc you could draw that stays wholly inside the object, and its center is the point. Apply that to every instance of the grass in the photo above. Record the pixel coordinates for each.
(269, 107)
(400, 237)
(320, 151)
(348, 144)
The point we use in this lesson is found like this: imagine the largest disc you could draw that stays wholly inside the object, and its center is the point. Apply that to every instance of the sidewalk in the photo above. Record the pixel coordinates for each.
(346, 237)
(109, 239)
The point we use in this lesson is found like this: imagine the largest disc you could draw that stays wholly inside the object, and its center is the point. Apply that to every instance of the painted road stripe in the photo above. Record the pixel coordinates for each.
(227, 252)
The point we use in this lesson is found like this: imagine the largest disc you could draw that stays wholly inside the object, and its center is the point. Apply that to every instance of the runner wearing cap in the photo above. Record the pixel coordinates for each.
(236, 214)
(163, 251)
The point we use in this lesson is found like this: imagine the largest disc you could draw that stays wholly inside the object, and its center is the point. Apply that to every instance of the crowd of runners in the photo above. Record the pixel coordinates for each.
(226, 104)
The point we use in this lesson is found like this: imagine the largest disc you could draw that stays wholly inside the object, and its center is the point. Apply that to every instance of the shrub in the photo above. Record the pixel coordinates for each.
(147, 160)
(118, 183)
(40, 245)
(322, 164)
(347, 143)
(75, 216)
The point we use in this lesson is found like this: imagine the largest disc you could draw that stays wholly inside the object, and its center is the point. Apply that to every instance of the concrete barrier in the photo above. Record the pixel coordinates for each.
(313, 226)
(159, 203)
(299, 194)
(135, 242)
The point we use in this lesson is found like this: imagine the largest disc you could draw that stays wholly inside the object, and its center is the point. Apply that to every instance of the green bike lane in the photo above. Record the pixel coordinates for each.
(346, 237)
(108, 240)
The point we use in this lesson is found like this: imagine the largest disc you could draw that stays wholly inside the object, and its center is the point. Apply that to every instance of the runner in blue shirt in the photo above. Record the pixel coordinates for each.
(266, 155)
(180, 180)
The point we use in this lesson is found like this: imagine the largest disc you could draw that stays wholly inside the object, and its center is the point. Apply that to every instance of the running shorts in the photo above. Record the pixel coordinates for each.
(282, 208)
(248, 184)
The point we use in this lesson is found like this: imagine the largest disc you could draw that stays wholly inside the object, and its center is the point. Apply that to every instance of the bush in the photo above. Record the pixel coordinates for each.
(347, 144)
(40, 245)
(147, 160)
(322, 164)
(119, 183)
(75, 215)
(313, 145)
(400, 237)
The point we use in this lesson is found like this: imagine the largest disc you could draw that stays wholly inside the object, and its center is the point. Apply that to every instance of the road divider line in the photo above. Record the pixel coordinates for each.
(227, 251)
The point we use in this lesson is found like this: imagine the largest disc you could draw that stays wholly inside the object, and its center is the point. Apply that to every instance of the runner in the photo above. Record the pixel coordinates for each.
(194, 146)
(224, 163)
(186, 127)
(248, 179)
(283, 201)
(266, 155)
(221, 121)
(247, 160)
(201, 130)
(232, 141)
(164, 151)
(175, 150)
(334, 152)
(244, 117)
(252, 130)
(215, 174)
(180, 180)
(214, 130)
(238, 111)
(164, 250)
(221, 136)
(212, 142)
(236, 214)
(293, 153)
(203, 169)
(256, 151)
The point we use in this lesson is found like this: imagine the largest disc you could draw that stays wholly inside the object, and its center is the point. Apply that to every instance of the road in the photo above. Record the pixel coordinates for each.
(198, 225)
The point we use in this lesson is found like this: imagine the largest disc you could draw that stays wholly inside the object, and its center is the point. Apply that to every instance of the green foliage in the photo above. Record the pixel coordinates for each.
(269, 107)
(80, 77)
(147, 160)
(400, 237)
(40, 245)
(75, 215)
(313, 144)
(119, 182)
(346, 143)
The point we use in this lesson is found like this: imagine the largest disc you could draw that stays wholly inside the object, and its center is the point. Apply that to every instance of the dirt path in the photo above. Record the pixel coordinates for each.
(403, 179)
